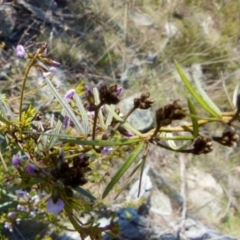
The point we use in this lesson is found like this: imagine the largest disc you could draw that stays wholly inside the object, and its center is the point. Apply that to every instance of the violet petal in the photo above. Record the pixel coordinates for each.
(55, 208)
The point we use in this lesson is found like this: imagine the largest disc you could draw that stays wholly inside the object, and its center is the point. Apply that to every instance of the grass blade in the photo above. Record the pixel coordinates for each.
(123, 169)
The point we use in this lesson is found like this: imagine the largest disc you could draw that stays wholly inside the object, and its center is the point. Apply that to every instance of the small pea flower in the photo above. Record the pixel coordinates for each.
(66, 121)
(55, 64)
(107, 150)
(31, 169)
(22, 194)
(55, 208)
(12, 215)
(21, 208)
(51, 71)
(20, 52)
(16, 161)
(69, 94)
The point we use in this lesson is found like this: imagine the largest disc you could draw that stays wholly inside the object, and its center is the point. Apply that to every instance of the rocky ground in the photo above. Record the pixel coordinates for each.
(182, 197)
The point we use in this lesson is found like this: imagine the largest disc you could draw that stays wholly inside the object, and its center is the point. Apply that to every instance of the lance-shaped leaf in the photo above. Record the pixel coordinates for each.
(65, 106)
(194, 120)
(83, 112)
(130, 176)
(85, 193)
(102, 143)
(206, 98)
(235, 94)
(193, 92)
(123, 169)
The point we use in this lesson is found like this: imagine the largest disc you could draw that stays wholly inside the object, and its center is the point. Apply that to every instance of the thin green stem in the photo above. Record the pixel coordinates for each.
(24, 82)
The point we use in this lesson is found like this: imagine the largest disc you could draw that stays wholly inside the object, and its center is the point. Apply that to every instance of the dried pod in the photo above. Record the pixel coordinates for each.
(143, 102)
(229, 138)
(202, 145)
(165, 115)
(109, 95)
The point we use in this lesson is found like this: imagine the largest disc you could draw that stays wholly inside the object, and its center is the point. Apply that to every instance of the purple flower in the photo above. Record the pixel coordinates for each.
(106, 150)
(55, 208)
(21, 208)
(66, 121)
(22, 194)
(52, 71)
(55, 64)
(87, 90)
(128, 134)
(119, 90)
(69, 94)
(20, 52)
(16, 161)
(31, 169)
(12, 215)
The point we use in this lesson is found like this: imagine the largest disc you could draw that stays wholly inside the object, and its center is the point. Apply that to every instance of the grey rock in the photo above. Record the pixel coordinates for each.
(142, 120)
(160, 203)
(7, 20)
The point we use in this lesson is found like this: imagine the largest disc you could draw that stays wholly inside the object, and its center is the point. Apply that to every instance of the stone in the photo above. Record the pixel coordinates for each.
(160, 203)
(142, 120)
(201, 180)
(7, 20)
(205, 203)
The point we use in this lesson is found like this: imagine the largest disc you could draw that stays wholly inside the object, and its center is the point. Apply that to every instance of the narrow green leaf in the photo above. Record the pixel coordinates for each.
(85, 193)
(75, 140)
(123, 169)
(130, 176)
(235, 93)
(193, 92)
(65, 106)
(102, 143)
(82, 110)
(206, 98)
(194, 120)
